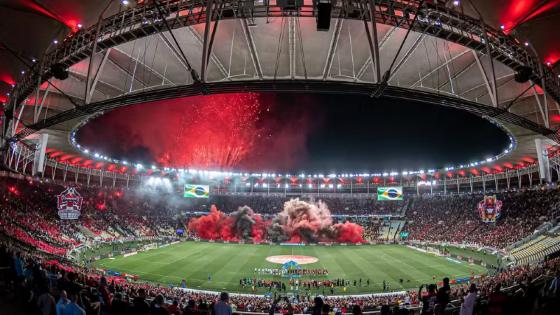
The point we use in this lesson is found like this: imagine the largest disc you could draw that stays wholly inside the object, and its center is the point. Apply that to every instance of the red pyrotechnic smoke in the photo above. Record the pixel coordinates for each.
(348, 232)
(299, 222)
(219, 226)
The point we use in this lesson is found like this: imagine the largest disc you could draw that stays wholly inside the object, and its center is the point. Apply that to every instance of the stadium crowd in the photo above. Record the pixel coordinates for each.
(340, 205)
(429, 217)
(33, 285)
(34, 244)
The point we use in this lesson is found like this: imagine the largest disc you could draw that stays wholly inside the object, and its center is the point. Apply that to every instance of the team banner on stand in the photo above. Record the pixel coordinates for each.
(389, 193)
(196, 191)
(489, 209)
(69, 204)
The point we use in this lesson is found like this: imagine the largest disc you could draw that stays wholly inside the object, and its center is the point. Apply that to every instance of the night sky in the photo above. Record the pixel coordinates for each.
(293, 133)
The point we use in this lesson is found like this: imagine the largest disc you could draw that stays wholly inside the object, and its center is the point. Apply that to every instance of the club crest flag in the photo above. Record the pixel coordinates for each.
(389, 193)
(490, 209)
(69, 204)
(196, 191)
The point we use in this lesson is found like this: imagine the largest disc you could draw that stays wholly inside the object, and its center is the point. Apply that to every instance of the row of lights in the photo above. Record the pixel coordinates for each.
(487, 160)
(287, 186)
(209, 173)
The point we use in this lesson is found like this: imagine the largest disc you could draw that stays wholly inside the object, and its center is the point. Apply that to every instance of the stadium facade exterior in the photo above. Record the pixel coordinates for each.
(399, 49)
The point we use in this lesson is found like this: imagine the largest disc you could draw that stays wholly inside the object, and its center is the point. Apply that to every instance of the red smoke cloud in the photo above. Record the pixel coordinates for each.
(298, 222)
(349, 232)
(219, 226)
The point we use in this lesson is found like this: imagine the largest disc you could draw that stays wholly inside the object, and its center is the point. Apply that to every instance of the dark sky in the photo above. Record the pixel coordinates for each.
(317, 133)
(354, 133)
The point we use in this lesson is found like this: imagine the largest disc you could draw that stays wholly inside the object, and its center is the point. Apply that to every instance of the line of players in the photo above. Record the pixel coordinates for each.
(299, 272)
(298, 284)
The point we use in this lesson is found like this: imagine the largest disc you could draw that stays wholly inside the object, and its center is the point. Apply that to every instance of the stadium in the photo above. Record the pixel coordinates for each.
(279, 157)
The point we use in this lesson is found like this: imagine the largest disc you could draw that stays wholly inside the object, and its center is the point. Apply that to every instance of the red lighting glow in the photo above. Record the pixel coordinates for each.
(222, 131)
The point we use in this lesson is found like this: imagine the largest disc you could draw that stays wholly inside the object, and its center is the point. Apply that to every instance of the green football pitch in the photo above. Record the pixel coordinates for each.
(217, 266)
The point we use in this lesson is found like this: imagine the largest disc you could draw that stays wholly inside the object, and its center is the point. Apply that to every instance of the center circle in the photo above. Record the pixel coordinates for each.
(299, 259)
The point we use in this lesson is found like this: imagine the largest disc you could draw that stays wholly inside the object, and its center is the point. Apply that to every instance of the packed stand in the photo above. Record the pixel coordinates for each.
(456, 219)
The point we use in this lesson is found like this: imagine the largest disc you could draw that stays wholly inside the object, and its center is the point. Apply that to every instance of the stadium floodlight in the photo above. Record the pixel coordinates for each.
(139, 166)
(489, 159)
(96, 155)
(86, 151)
(385, 174)
(404, 173)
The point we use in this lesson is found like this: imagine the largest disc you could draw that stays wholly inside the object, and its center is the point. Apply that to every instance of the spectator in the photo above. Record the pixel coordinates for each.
(45, 302)
(469, 301)
(157, 307)
(118, 306)
(222, 307)
(62, 303)
(318, 306)
(73, 308)
(174, 309)
(497, 301)
(139, 304)
(428, 300)
(190, 309)
(442, 297)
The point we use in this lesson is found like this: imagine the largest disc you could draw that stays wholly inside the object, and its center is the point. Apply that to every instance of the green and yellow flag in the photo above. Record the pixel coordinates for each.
(389, 193)
(196, 191)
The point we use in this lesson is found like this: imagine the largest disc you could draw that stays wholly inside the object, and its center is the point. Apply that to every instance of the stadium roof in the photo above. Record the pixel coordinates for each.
(254, 47)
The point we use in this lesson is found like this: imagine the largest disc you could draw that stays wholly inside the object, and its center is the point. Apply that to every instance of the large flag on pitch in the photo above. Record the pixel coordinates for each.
(389, 193)
(196, 191)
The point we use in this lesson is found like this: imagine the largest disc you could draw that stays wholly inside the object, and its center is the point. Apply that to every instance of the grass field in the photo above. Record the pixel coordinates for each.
(228, 263)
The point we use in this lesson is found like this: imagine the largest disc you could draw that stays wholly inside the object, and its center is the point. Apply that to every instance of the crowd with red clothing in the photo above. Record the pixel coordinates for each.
(33, 243)
(455, 218)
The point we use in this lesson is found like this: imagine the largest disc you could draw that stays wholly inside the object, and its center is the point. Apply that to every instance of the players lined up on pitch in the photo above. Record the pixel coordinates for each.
(294, 272)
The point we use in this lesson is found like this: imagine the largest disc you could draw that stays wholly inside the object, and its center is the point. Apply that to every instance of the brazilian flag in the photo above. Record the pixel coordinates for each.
(389, 193)
(196, 191)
